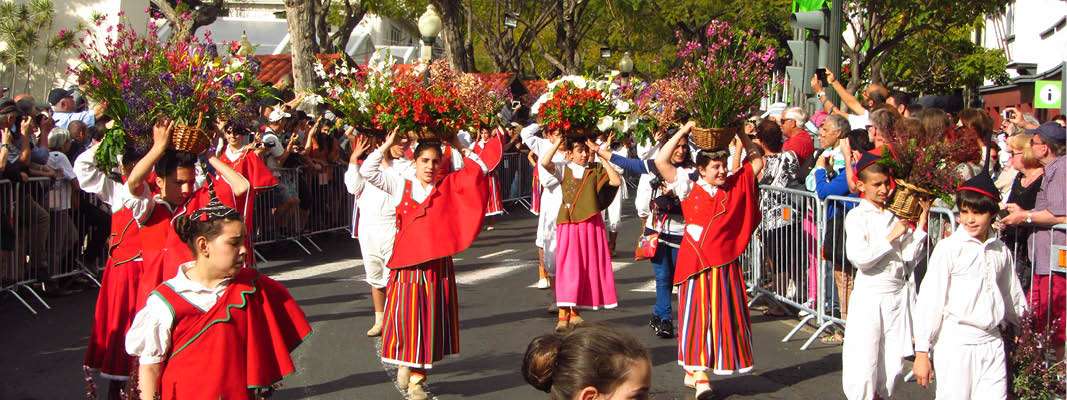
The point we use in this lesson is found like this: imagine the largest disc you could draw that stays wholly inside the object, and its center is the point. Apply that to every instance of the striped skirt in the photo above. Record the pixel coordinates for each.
(495, 204)
(715, 333)
(535, 199)
(421, 315)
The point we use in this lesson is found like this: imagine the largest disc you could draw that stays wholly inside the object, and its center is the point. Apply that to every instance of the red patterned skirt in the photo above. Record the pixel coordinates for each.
(116, 305)
(421, 314)
(715, 333)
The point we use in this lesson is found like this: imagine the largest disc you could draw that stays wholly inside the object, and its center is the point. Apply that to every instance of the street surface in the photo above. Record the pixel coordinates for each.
(500, 312)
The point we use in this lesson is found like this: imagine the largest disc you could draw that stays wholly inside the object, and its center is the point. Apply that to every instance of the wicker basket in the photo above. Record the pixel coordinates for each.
(713, 138)
(905, 200)
(425, 133)
(579, 133)
(190, 139)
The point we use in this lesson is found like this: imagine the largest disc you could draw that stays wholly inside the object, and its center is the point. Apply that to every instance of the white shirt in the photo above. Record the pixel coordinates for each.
(393, 184)
(970, 287)
(92, 180)
(375, 206)
(60, 192)
(149, 335)
(682, 186)
(882, 266)
(859, 121)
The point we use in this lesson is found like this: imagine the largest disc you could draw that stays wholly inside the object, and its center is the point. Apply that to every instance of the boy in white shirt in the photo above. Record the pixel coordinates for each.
(969, 290)
(881, 246)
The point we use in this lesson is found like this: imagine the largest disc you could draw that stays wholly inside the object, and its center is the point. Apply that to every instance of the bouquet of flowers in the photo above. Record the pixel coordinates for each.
(118, 66)
(426, 106)
(244, 91)
(922, 166)
(1035, 373)
(483, 105)
(356, 93)
(728, 76)
(575, 108)
(141, 79)
(662, 101)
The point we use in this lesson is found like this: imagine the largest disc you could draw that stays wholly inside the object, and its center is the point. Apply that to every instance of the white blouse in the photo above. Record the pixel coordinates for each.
(970, 287)
(883, 266)
(393, 184)
(149, 335)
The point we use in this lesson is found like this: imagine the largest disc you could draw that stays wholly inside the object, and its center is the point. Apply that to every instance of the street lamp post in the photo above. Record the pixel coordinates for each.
(246, 49)
(429, 28)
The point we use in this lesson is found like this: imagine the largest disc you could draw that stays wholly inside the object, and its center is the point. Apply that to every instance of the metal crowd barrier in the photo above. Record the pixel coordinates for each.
(1018, 240)
(785, 260)
(515, 174)
(797, 257)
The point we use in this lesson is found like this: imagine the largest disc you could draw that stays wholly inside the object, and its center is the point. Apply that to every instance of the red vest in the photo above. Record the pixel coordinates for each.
(729, 218)
(259, 179)
(124, 244)
(243, 342)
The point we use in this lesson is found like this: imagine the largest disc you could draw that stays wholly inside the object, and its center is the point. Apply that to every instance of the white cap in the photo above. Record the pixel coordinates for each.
(277, 115)
(774, 110)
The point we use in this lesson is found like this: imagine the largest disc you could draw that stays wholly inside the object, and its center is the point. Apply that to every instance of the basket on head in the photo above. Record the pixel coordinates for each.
(370, 131)
(713, 138)
(190, 139)
(905, 200)
(579, 133)
(425, 133)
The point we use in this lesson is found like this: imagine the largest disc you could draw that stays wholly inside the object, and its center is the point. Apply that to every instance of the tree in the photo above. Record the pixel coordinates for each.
(298, 14)
(935, 62)
(459, 46)
(879, 27)
(574, 20)
(507, 46)
(186, 16)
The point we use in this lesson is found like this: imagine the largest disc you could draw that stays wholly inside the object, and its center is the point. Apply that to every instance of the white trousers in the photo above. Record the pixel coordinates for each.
(546, 231)
(376, 245)
(613, 213)
(872, 357)
(970, 371)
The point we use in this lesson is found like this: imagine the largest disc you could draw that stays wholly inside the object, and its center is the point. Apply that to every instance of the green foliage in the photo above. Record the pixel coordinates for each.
(938, 61)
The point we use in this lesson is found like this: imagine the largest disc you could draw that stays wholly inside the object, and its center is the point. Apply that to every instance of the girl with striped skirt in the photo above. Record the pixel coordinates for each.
(721, 213)
(435, 219)
(494, 206)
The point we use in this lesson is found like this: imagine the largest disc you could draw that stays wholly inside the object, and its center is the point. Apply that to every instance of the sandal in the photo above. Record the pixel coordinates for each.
(833, 339)
(575, 320)
(562, 325)
(690, 381)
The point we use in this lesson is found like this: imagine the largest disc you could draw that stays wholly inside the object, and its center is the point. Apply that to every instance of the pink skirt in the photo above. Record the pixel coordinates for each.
(584, 278)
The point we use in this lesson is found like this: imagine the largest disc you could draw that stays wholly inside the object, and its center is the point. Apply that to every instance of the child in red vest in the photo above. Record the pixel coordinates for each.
(216, 329)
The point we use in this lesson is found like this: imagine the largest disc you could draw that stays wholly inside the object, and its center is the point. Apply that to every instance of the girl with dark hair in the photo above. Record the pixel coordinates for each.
(495, 205)
(592, 361)
(436, 218)
(180, 189)
(721, 214)
(584, 277)
(216, 329)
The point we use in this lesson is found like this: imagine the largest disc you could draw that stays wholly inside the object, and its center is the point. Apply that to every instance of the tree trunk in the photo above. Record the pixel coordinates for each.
(322, 28)
(460, 52)
(299, 15)
(353, 15)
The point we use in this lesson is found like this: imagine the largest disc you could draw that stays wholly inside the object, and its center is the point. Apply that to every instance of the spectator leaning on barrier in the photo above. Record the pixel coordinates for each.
(1050, 208)
(63, 109)
(64, 234)
(1023, 194)
(831, 132)
(799, 142)
(31, 217)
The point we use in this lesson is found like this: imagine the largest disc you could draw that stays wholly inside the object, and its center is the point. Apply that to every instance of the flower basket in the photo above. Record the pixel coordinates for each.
(713, 138)
(579, 133)
(424, 134)
(190, 139)
(905, 200)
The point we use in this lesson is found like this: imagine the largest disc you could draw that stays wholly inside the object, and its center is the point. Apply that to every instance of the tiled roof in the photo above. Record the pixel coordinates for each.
(536, 88)
(275, 66)
(496, 81)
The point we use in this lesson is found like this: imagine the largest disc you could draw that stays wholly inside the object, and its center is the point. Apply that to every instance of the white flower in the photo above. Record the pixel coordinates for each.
(312, 99)
(605, 123)
(579, 82)
(611, 75)
(622, 106)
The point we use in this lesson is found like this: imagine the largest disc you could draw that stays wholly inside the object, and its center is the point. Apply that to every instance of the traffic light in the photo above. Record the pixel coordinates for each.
(810, 47)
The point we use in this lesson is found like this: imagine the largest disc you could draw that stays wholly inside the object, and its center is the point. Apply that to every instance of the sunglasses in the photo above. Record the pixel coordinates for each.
(1033, 143)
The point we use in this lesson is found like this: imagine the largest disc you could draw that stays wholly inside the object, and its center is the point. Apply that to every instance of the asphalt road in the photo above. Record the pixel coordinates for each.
(500, 312)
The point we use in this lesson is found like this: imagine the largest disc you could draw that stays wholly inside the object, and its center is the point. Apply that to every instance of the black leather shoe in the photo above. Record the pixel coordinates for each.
(665, 329)
(654, 324)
